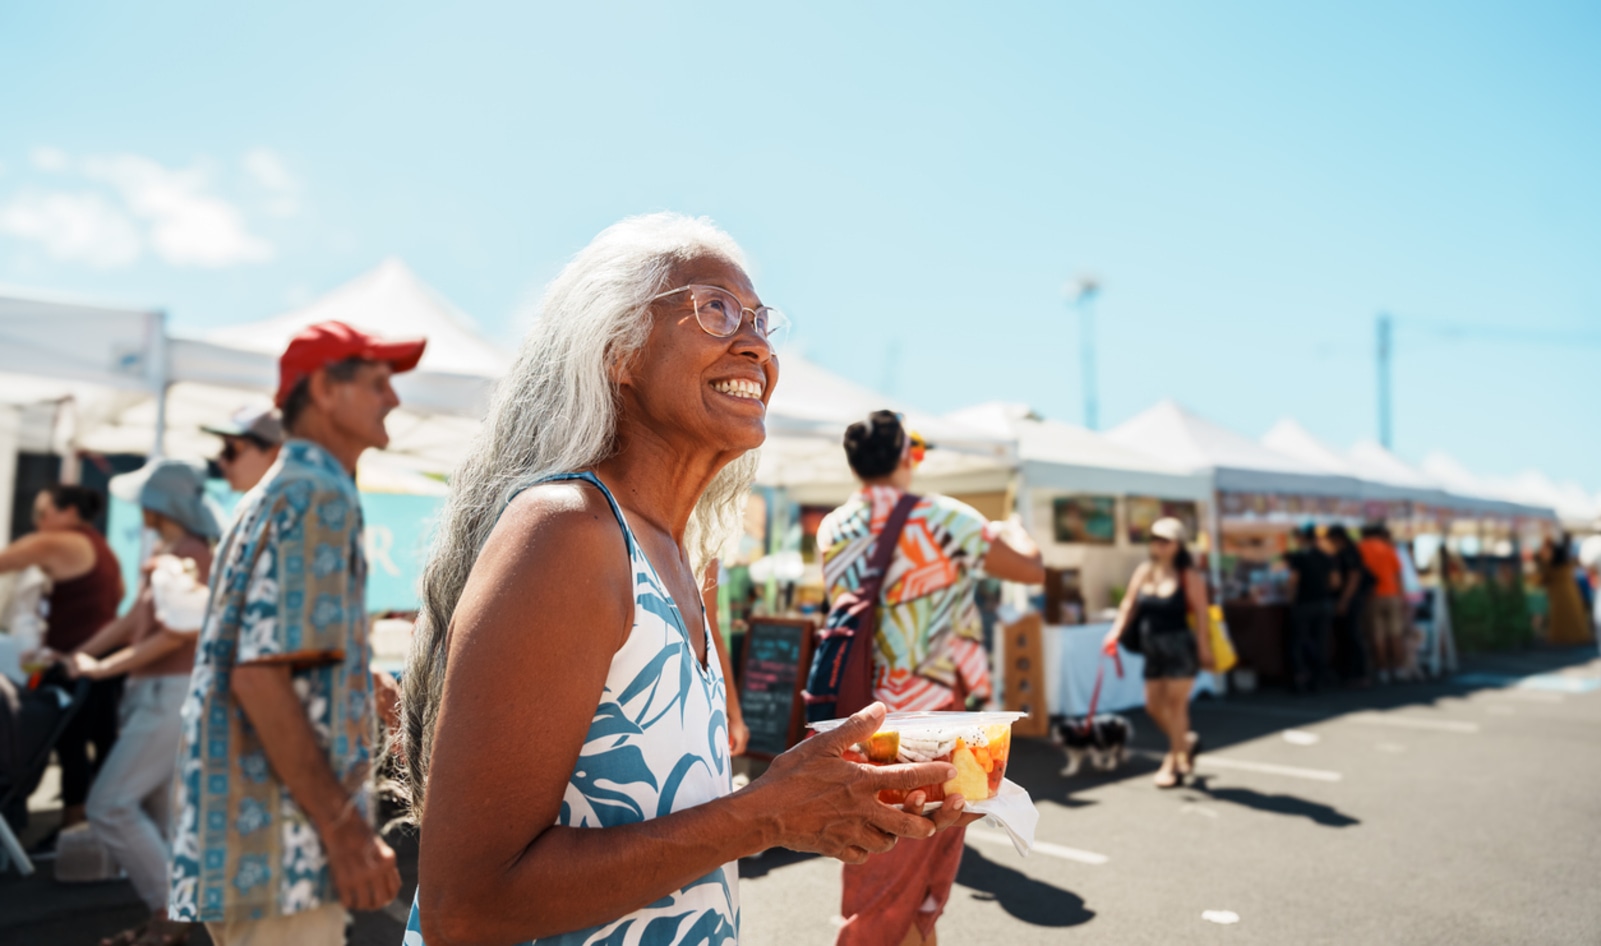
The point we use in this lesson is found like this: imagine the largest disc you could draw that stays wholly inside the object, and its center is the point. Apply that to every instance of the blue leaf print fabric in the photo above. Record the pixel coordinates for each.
(657, 743)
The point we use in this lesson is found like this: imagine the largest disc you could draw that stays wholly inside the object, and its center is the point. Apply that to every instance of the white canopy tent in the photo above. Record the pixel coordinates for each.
(60, 359)
(1232, 461)
(1060, 456)
(1380, 474)
(806, 421)
(209, 377)
(1460, 481)
(1575, 509)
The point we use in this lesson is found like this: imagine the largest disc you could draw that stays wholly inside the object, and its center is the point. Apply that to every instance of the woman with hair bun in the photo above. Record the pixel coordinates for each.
(86, 587)
(1166, 600)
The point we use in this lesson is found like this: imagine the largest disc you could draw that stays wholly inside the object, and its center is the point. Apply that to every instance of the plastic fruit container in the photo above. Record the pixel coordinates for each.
(978, 744)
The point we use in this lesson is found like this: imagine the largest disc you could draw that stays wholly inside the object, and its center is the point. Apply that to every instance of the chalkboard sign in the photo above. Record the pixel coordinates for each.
(778, 653)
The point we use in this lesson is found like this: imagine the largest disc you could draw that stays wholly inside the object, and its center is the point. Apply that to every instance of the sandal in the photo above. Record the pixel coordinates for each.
(1167, 776)
(1194, 740)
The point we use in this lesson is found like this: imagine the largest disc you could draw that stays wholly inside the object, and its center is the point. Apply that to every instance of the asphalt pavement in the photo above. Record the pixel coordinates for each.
(1462, 812)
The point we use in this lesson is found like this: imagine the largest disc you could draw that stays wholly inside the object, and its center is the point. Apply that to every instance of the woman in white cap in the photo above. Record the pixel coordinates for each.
(154, 644)
(1166, 601)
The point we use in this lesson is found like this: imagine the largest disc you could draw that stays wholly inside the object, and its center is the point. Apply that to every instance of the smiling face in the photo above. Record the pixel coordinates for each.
(686, 384)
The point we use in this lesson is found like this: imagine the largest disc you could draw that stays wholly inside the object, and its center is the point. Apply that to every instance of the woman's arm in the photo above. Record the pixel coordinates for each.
(54, 552)
(738, 733)
(119, 630)
(548, 603)
(128, 659)
(1013, 556)
(1195, 594)
(1125, 608)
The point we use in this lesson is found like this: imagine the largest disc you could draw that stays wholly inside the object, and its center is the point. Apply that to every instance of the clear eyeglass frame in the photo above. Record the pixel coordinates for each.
(720, 314)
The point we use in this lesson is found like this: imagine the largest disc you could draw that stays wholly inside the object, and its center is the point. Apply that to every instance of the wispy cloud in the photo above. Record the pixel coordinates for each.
(74, 227)
(188, 225)
(173, 212)
(50, 159)
(282, 188)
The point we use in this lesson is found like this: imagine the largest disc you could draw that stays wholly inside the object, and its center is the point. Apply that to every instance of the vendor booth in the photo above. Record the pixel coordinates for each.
(1260, 494)
(87, 381)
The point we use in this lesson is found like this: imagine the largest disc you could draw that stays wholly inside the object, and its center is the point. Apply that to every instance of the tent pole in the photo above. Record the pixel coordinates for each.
(158, 372)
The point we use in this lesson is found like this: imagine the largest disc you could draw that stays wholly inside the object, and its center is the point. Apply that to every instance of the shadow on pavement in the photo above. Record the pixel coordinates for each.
(1316, 812)
(770, 860)
(1036, 763)
(1032, 901)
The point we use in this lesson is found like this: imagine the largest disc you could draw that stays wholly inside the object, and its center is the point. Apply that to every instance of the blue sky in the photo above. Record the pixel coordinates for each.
(916, 184)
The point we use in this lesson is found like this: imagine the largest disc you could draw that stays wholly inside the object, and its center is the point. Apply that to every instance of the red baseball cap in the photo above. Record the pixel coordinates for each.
(326, 343)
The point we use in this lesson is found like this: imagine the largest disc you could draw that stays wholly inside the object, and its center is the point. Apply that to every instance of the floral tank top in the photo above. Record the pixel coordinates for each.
(658, 743)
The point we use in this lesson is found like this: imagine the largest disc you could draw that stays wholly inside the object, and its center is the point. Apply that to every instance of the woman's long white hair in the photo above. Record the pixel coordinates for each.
(556, 412)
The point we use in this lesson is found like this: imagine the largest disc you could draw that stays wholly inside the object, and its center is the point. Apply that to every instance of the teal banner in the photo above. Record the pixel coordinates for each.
(399, 528)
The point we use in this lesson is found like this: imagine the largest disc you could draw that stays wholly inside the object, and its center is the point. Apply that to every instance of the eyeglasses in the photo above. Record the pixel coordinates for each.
(720, 314)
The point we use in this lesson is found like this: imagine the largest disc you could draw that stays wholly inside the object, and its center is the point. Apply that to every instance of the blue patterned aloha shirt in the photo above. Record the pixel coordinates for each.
(287, 586)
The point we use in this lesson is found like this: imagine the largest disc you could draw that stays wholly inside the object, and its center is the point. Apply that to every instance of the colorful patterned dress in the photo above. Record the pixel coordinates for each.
(658, 743)
(930, 634)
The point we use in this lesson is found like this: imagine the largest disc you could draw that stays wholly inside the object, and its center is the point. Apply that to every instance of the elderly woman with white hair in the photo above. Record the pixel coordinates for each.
(566, 730)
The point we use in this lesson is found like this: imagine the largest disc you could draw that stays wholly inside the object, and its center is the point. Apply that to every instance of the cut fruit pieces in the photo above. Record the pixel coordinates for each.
(971, 781)
(884, 747)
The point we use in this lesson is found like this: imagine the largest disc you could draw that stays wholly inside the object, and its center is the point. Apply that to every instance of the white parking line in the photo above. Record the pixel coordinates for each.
(1206, 760)
(1414, 722)
(1040, 847)
(1267, 768)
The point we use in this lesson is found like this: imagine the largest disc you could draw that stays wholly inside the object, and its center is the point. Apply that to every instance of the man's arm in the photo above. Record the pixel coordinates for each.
(363, 866)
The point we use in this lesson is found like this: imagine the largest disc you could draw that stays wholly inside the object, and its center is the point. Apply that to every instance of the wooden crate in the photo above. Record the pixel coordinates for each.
(1024, 675)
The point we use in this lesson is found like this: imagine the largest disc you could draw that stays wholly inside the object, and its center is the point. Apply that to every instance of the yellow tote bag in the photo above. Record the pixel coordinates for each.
(1223, 655)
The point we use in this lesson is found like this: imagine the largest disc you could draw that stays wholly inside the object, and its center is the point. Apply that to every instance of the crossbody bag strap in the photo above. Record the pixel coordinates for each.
(884, 547)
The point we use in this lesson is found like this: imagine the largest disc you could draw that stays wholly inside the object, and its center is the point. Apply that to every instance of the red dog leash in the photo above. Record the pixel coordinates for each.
(1100, 676)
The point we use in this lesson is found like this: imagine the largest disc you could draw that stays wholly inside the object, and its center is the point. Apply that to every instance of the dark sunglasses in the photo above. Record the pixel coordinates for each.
(230, 448)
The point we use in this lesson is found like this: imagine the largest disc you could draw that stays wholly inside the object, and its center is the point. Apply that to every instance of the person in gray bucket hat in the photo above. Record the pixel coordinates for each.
(154, 644)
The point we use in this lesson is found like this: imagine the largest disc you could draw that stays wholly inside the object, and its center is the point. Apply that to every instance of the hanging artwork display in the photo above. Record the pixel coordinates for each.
(1090, 520)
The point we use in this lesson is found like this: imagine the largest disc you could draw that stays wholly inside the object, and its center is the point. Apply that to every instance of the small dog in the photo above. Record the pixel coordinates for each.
(1104, 738)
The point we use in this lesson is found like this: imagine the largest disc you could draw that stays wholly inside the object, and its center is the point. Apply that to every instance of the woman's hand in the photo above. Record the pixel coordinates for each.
(40, 658)
(952, 814)
(827, 805)
(79, 664)
(1207, 661)
(738, 736)
(1109, 642)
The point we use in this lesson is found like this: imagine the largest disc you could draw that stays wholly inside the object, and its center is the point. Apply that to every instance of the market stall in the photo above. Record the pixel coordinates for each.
(1260, 493)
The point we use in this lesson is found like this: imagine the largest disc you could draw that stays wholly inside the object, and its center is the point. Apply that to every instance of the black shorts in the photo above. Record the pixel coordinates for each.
(1170, 655)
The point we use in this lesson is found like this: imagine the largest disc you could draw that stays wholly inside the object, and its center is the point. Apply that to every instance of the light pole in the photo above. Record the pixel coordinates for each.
(1084, 290)
(1382, 329)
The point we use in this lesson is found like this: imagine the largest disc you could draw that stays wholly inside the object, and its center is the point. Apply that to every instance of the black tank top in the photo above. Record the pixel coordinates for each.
(1162, 614)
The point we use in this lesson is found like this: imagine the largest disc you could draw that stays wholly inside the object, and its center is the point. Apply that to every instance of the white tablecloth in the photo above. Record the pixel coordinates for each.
(1073, 652)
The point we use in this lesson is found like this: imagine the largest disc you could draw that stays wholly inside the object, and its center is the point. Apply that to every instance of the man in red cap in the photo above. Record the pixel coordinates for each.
(274, 839)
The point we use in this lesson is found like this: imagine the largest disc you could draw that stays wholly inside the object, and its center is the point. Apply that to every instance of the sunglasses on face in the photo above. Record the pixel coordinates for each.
(234, 447)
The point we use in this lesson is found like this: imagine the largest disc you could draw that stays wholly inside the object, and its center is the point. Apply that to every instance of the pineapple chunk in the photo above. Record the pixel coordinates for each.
(883, 747)
(999, 734)
(971, 782)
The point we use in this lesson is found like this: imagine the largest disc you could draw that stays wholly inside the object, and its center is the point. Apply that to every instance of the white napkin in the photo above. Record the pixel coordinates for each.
(1013, 811)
